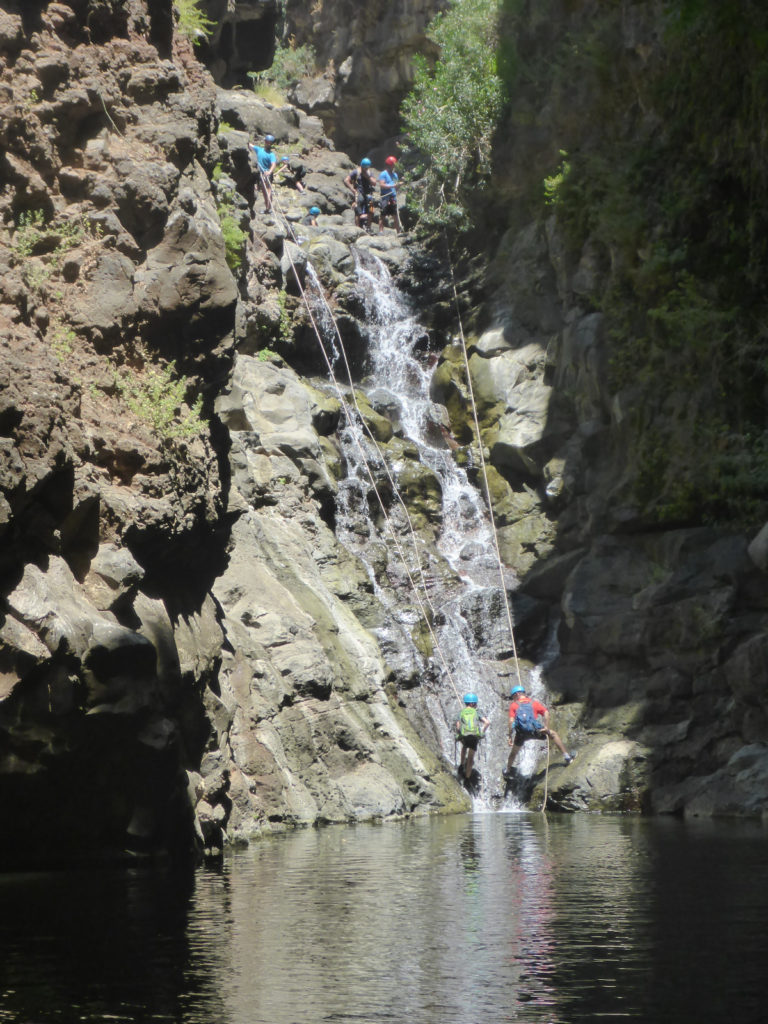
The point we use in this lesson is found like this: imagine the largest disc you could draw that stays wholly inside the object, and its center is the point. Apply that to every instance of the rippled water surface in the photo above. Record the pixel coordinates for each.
(469, 919)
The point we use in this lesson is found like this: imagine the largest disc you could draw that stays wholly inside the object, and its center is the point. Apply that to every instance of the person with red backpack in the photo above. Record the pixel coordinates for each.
(529, 720)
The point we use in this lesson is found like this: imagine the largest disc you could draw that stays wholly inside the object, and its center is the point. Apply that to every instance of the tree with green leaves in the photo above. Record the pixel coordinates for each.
(452, 111)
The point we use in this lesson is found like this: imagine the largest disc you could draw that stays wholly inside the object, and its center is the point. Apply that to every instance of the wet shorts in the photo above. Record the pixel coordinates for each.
(522, 737)
(470, 742)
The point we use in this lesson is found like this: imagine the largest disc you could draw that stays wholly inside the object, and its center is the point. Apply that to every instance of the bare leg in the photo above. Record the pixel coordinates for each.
(266, 192)
(557, 741)
(469, 763)
(513, 754)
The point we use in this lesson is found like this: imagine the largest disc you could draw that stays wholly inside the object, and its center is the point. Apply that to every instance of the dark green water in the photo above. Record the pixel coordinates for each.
(464, 920)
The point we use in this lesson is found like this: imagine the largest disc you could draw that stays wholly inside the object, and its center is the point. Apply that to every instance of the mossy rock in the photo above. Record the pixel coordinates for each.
(380, 427)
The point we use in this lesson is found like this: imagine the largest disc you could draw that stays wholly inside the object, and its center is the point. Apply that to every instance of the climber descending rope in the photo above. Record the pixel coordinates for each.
(516, 737)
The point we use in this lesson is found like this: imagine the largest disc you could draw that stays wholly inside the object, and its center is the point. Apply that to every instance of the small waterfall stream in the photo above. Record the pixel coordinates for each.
(459, 567)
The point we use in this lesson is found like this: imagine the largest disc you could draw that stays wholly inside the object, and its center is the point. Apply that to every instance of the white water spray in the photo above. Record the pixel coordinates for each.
(470, 618)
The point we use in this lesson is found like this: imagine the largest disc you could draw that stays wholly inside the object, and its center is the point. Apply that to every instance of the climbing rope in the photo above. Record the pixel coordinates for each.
(482, 461)
(276, 207)
(395, 490)
(546, 780)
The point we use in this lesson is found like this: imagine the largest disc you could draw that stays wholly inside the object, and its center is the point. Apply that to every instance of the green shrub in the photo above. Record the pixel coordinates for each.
(56, 237)
(157, 398)
(234, 240)
(285, 328)
(265, 89)
(193, 23)
(234, 236)
(452, 111)
(669, 185)
(290, 64)
(29, 231)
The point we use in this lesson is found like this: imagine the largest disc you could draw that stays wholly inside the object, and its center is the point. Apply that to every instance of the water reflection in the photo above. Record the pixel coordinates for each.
(464, 920)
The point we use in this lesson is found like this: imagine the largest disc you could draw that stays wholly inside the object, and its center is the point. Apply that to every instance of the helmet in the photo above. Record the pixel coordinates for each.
(391, 161)
(365, 162)
(314, 210)
(269, 138)
(470, 698)
(285, 159)
(516, 689)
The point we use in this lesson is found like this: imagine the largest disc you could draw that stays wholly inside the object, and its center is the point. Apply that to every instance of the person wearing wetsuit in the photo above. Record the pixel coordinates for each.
(361, 184)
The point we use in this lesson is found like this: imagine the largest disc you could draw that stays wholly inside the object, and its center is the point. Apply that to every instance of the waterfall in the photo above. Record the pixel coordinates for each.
(460, 570)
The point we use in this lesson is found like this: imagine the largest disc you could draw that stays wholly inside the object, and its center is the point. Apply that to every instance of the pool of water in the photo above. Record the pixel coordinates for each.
(462, 920)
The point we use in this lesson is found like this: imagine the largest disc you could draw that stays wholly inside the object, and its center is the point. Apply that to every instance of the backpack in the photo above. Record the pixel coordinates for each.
(525, 720)
(469, 724)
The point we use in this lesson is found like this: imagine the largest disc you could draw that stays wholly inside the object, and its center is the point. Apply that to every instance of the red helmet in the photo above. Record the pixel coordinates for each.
(391, 161)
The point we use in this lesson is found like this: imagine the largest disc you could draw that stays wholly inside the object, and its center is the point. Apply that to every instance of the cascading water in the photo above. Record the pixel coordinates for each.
(464, 595)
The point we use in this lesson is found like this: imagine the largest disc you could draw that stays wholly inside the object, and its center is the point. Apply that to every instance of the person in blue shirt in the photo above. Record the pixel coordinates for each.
(266, 160)
(388, 180)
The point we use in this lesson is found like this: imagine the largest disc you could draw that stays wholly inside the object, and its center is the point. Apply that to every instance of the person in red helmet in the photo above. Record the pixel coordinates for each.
(388, 180)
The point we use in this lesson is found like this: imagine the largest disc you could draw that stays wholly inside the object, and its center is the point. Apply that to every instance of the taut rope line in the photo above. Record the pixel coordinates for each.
(345, 406)
(366, 428)
(546, 780)
(482, 462)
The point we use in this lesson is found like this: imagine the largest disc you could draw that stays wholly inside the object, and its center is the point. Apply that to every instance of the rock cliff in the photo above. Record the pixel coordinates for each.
(187, 656)
(614, 448)
(364, 57)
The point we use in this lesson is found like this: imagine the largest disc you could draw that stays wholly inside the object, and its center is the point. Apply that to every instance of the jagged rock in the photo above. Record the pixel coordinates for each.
(113, 574)
(11, 31)
(107, 297)
(611, 777)
(372, 59)
(186, 275)
(758, 549)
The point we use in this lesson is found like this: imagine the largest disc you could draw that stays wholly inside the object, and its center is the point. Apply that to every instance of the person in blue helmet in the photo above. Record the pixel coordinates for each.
(361, 184)
(311, 218)
(529, 720)
(292, 171)
(266, 159)
(470, 727)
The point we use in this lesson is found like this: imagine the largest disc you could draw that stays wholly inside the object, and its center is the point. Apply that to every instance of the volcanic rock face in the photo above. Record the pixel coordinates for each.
(188, 655)
(364, 57)
(180, 661)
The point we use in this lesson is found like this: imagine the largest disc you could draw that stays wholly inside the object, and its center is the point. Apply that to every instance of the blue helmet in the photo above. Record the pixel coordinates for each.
(470, 698)
(516, 689)
(285, 159)
(269, 139)
(365, 162)
(314, 210)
